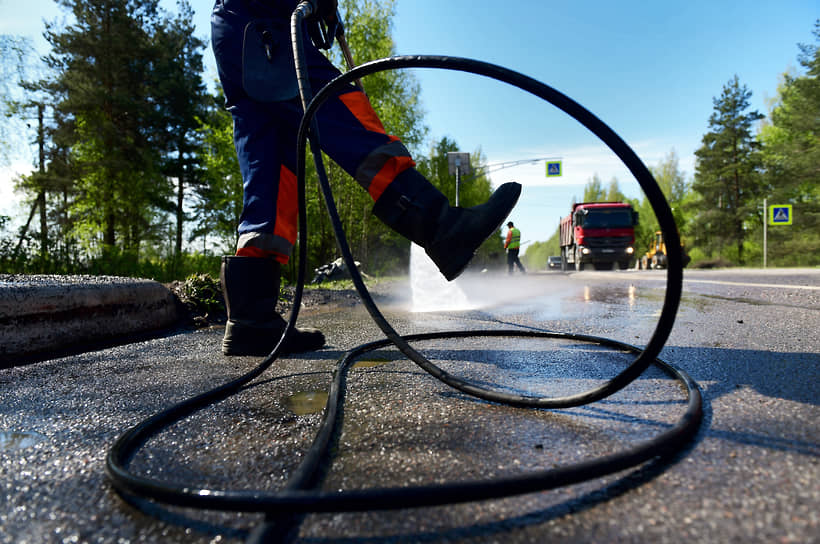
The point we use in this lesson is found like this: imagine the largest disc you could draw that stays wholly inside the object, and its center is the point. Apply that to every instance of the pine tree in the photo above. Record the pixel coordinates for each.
(181, 104)
(727, 173)
(106, 106)
(219, 198)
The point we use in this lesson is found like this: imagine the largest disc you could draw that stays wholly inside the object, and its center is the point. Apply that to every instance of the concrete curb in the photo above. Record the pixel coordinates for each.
(42, 313)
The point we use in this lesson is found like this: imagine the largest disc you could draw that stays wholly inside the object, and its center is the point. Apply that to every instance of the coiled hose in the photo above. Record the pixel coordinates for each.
(299, 495)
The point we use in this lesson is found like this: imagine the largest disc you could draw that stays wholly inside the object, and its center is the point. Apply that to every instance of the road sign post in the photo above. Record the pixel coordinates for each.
(458, 163)
(776, 214)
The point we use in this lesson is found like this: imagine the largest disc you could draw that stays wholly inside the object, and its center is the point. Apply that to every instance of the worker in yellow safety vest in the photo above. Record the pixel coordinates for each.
(513, 244)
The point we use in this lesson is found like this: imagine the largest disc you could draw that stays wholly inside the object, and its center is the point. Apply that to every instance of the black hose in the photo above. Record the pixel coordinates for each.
(578, 112)
(297, 497)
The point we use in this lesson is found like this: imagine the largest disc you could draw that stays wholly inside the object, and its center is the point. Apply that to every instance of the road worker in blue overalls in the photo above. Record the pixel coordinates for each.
(251, 43)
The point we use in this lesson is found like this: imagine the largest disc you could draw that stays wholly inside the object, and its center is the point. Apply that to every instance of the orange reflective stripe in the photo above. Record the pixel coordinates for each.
(360, 107)
(286, 206)
(392, 168)
(250, 251)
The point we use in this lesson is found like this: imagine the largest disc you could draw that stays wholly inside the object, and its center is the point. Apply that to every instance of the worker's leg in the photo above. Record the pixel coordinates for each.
(353, 136)
(267, 230)
(250, 280)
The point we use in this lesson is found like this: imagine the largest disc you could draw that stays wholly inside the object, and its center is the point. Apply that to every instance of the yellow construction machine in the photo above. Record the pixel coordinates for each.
(656, 256)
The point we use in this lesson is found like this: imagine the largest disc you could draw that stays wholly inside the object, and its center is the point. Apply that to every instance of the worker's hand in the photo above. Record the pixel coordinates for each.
(323, 23)
(326, 10)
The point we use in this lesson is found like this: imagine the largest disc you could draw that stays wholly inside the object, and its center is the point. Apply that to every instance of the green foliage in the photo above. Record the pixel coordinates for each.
(111, 262)
(124, 91)
(791, 153)
(218, 203)
(202, 294)
(394, 94)
(178, 86)
(16, 55)
(672, 182)
(728, 178)
(594, 191)
(536, 255)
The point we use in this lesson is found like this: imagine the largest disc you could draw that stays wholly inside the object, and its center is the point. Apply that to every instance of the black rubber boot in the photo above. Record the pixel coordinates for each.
(250, 286)
(450, 236)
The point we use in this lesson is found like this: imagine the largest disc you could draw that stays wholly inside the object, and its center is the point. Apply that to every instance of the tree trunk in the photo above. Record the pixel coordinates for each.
(41, 198)
(180, 215)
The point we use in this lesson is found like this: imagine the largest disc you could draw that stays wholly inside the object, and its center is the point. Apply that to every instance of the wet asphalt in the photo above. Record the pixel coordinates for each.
(749, 338)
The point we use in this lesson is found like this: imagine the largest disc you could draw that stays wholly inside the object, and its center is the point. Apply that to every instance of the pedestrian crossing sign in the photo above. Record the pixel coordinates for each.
(780, 214)
(554, 169)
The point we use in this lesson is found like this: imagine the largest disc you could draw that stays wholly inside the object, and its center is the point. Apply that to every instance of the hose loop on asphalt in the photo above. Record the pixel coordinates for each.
(299, 495)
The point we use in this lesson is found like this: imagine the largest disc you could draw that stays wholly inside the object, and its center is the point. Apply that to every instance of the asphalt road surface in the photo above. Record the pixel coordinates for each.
(748, 337)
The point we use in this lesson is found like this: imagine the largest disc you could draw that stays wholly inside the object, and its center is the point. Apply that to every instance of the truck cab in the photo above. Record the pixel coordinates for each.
(599, 233)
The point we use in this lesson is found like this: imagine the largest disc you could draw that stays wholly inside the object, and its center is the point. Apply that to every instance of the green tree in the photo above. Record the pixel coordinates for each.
(394, 93)
(106, 108)
(537, 253)
(124, 90)
(613, 192)
(672, 182)
(181, 102)
(16, 54)
(727, 180)
(218, 203)
(791, 155)
(594, 190)
(24, 112)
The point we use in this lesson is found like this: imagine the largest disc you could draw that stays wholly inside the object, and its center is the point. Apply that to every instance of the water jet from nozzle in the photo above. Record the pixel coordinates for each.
(431, 291)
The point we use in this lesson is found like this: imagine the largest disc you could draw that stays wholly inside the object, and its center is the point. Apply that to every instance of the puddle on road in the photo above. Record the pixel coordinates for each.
(304, 403)
(14, 440)
(373, 361)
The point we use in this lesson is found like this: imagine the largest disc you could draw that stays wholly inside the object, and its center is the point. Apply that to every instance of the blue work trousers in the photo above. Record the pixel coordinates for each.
(265, 132)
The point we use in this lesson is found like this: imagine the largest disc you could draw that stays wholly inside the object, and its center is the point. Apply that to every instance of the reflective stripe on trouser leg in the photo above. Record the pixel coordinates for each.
(264, 134)
(278, 243)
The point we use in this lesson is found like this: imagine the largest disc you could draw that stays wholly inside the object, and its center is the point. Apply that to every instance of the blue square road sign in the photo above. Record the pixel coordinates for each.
(780, 214)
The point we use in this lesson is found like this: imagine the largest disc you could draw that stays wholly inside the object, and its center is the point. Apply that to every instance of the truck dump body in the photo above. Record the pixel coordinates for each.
(598, 233)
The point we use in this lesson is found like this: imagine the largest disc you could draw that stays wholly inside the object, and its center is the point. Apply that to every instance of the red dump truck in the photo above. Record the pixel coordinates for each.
(600, 234)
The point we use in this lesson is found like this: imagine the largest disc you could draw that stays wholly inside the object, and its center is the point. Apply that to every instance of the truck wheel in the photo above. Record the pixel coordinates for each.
(563, 259)
(579, 266)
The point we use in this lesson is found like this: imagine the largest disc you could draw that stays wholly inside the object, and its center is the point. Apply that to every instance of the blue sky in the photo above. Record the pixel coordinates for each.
(649, 70)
